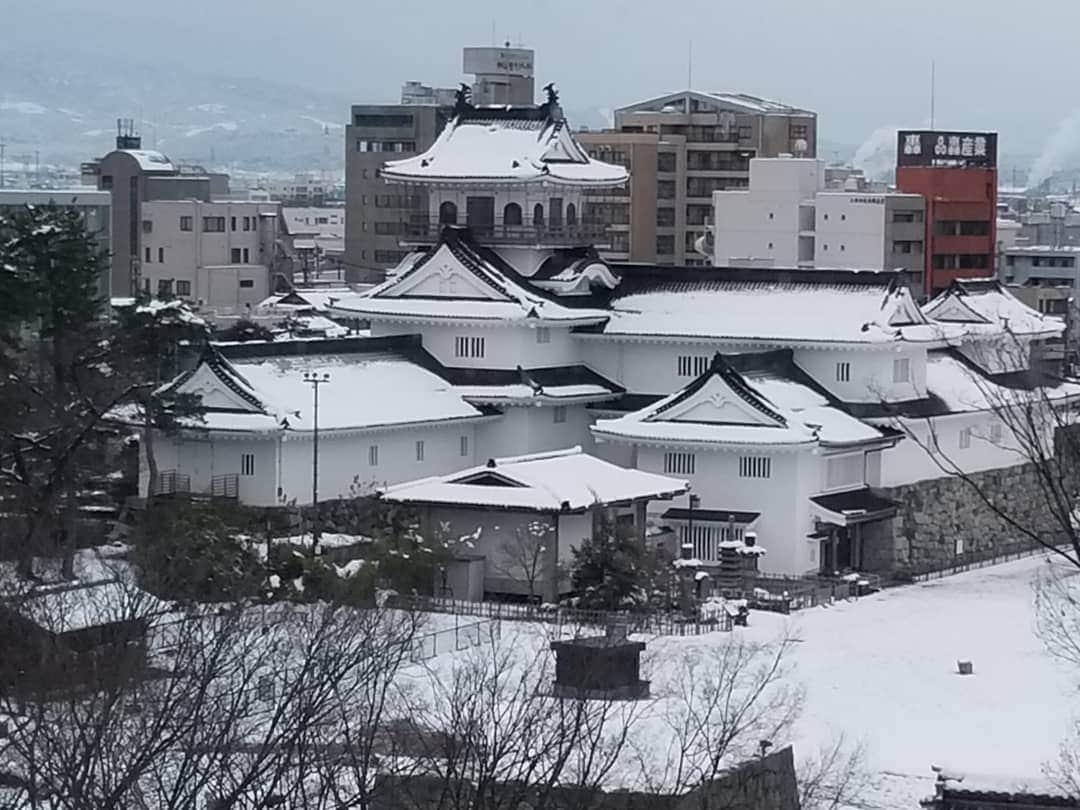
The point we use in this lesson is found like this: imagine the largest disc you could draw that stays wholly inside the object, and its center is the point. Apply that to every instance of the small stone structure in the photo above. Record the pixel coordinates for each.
(604, 667)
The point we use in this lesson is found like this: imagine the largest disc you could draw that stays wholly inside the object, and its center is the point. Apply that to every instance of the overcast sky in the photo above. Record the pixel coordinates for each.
(861, 64)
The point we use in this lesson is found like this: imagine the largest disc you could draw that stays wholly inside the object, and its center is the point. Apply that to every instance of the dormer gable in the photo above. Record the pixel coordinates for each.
(721, 396)
(900, 308)
(444, 274)
(219, 386)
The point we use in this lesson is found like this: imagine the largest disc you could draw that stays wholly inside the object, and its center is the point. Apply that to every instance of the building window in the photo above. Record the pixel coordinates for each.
(571, 214)
(901, 369)
(106, 182)
(213, 224)
(843, 218)
(161, 254)
(665, 217)
(907, 216)
(538, 215)
(373, 455)
(665, 161)
(996, 432)
(755, 467)
(247, 284)
(146, 254)
(247, 259)
(772, 215)
(236, 254)
(692, 365)
(147, 226)
(665, 189)
(419, 449)
(665, 245)
(164, 288)
(186, 223)
(232, 223)
(248, 221)
(183, 288)
(464, 445)
(965, 438)
(447, 213)
(559, 412)
(468, 347)
(843, 372)
(247, 464)
(543, 334)
(679, 463)
(512, 214)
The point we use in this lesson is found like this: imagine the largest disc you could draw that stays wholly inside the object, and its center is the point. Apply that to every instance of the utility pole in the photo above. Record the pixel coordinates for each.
(2, 147)
(315, 380)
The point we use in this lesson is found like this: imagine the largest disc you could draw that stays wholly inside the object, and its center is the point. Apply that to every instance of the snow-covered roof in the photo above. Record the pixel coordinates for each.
(770, 307)
(559, 481)
(459, 280)
(151, 161)
(517, 145)
(723, 100)
(986, 307)
(320, 298)
(269, 393)
(962, 387)
(726, 407)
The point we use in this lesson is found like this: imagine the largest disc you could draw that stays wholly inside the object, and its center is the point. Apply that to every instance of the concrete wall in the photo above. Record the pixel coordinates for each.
(850, 231)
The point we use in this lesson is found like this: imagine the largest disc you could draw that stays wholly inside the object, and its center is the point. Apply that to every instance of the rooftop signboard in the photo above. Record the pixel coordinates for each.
(499, 61)
(923, 147)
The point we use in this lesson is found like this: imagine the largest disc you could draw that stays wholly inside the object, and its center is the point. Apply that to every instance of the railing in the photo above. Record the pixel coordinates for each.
(453, 639)
(425, 230)
(170, 482)
(654, 622)
(225, 486)
(981, 559)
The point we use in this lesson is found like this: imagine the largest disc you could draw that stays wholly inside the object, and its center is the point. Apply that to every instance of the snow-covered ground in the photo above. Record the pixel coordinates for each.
(883, 670)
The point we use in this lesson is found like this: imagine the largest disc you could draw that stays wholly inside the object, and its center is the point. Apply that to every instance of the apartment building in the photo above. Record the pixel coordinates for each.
(704, 143)
(377, 213)
(218, 255)
(788, 218)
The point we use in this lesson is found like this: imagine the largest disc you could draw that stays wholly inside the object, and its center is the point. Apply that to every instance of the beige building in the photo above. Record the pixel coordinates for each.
(218, 255)
(704, 143)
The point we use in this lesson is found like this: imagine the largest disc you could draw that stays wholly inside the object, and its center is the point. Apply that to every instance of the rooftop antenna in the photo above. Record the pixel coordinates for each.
(690, 65)
(494, 42)
(933, 89)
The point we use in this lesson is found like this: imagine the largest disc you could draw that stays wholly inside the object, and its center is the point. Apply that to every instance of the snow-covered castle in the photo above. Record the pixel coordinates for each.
(786, 398)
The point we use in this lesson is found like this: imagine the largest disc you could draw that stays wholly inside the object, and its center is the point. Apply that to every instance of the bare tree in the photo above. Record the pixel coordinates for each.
(1033, 420)
(523, 557)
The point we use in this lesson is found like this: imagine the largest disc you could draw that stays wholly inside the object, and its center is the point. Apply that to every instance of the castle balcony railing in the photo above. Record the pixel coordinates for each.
(426, 231)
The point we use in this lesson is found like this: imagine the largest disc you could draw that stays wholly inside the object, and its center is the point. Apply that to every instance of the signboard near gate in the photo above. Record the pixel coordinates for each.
(924, 147)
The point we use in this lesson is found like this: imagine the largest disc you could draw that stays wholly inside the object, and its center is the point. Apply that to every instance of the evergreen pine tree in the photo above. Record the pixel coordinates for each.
(610, 569)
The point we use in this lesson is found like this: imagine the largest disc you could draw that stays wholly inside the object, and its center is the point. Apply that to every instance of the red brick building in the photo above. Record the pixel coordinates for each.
(956, 173)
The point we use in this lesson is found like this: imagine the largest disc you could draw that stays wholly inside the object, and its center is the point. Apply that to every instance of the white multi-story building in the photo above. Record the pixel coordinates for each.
(792, 401)
(218, 255)
(787, 218)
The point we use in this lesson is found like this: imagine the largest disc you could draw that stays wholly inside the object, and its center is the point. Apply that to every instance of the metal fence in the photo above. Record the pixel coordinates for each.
(973, 560)
(654, 622)
(453, 639)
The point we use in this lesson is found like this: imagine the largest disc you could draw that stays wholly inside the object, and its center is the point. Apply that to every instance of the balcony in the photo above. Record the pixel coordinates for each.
(177, 484)
(426, 231)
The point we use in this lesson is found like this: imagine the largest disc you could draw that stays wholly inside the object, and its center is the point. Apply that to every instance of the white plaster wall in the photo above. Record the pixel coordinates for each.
(644, 368)
(909, 461)
(850, 233)
(343, 460)
(523, 430)
(504, 347)
(744, 229)
(203, 459)
(871, 377)
(782, 499)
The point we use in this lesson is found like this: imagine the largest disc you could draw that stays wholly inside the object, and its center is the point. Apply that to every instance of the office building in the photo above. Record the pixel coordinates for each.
(788, 218)
(377, 213)
(956, 173)
(704, 143)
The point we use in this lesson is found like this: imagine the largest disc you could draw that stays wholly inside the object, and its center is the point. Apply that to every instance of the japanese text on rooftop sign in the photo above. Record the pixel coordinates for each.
(933, 148)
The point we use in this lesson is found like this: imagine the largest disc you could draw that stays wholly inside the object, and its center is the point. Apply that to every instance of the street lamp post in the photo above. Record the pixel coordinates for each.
(315, 380)
(695, 501)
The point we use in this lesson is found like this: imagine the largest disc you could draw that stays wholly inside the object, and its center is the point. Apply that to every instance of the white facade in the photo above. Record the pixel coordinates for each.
(787, 218)
(216, 254)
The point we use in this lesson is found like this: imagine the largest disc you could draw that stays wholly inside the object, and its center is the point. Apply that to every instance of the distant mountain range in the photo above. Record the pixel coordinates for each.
(56, 104)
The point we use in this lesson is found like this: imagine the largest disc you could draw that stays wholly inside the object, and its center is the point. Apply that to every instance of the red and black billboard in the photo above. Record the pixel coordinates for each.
(923, 147)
